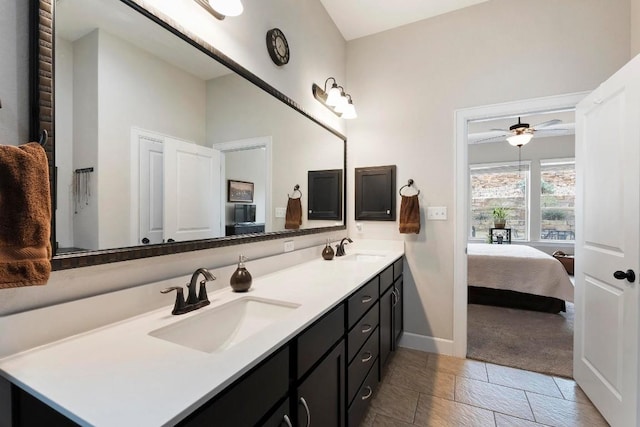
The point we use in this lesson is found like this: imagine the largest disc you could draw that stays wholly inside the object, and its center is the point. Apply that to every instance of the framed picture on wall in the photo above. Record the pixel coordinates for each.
(239, 191)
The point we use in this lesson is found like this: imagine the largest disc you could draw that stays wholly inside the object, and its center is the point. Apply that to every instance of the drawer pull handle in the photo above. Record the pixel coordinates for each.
(366, 359)
(368, 395)
(306, 409)
(366, 299)
(287, 421)
(366, 328)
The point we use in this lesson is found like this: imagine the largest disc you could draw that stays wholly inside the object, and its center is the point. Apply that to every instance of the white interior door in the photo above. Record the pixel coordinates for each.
(191, 191)
(151, 191)
(607, 240)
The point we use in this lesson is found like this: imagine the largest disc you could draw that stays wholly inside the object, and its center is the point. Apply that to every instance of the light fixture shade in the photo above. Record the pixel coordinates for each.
(342, 104)
(349, 111)
(520, 139)
(227, 7)
(333, 96)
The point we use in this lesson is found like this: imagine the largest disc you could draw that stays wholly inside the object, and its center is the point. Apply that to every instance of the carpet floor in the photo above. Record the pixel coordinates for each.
(530, 340)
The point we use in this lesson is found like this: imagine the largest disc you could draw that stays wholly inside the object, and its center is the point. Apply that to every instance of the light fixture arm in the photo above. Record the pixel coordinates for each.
(327, 81)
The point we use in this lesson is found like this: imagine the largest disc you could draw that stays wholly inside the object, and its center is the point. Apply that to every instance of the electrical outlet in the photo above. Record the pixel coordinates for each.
(437, 213)
(288, 246)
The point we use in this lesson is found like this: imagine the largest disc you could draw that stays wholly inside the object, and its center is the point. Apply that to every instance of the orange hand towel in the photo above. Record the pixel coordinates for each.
(410, 215)
(25, 216)
(293, 217)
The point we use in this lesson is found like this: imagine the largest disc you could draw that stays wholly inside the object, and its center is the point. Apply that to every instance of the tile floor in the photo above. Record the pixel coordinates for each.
(424, 389)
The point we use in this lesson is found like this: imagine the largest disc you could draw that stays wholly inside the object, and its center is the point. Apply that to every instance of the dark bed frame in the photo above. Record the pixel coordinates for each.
(513, 299)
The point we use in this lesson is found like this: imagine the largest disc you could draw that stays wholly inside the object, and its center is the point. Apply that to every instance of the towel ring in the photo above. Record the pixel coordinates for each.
(296, 188)
(44, 135)
(407, 185)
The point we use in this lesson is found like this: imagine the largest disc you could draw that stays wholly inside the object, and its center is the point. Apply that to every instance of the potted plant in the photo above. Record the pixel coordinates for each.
(500, 217)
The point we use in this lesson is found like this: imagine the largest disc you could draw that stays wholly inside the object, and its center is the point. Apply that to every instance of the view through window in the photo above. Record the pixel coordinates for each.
(557, 199)
(499, 185)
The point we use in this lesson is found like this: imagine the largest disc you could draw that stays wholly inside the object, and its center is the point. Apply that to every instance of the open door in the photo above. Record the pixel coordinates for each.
(150, 191)
(191, 191)
(607, 246)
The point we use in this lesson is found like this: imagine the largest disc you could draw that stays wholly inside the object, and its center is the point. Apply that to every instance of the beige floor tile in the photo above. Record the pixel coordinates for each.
(396, 402)
(436, 412)
(409, 357)
(495, 397)
(524, 380)
(509, 421)
(437, 383)
(564, 413)
(367, 421)
(571, 391)
(384, 421)
(461, 367)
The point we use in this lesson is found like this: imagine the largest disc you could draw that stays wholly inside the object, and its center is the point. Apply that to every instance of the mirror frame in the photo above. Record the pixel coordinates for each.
(42, 117)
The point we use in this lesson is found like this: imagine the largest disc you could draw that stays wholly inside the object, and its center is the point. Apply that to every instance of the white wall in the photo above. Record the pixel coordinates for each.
(250, 166)
(409, 81)
(14, 72)
(318, 50)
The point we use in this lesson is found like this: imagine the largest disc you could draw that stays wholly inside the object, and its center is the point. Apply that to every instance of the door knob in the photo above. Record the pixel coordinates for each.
(145, 241)
(629, 275)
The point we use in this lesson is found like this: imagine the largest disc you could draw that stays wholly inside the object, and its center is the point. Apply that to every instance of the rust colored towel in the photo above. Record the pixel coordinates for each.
(25, 216)
(293, 217)
(409, 215)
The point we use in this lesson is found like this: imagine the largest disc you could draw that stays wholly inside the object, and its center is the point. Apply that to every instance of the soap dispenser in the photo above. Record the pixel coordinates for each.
(327, 252)
(241, 278)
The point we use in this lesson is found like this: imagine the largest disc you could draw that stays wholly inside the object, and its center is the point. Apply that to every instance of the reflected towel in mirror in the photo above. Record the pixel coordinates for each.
(409, 215)
(25, 219)
(293, 217)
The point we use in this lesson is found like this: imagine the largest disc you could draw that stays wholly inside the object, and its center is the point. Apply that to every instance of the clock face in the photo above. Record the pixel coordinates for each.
(277, 46)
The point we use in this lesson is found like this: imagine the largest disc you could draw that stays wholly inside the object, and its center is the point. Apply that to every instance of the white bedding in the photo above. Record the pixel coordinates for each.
(518, 268)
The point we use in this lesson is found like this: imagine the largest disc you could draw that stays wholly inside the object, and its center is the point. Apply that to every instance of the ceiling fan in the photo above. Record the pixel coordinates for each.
(520, 133)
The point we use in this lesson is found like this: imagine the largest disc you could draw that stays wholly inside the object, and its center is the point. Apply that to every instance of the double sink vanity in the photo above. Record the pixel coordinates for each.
(305, 346)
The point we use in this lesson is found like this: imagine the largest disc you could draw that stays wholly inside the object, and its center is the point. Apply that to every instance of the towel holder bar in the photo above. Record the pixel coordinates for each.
(407, 185)
(296, 188)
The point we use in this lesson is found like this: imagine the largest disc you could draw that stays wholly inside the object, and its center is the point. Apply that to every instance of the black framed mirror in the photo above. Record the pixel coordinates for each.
(105, 229)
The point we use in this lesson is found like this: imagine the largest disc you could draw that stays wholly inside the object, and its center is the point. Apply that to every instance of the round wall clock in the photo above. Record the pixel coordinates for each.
(277, 46)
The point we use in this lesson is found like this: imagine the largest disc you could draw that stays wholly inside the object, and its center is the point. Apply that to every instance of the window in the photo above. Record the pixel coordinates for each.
(557, 199)
(499, 185)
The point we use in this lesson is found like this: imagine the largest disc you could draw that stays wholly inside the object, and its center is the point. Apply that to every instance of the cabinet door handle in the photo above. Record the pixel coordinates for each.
(306, 409)
(287, 421)
(368, 357)
(366, 328)
(366, 299)
(368, 395)
(395, 298)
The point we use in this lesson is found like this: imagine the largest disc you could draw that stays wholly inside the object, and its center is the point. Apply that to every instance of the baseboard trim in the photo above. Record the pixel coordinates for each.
(426, 343)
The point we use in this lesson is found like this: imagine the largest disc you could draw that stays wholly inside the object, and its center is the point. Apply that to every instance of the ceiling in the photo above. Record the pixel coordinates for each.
(359, 18)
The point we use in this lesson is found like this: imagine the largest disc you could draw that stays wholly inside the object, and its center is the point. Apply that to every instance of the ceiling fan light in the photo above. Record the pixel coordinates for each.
(520, 139)
(227, 7)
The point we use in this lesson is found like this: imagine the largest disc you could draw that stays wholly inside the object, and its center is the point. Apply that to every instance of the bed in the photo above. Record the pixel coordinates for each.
(517, 276)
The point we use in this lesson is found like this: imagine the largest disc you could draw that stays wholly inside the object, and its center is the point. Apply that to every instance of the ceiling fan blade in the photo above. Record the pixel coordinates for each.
(489, 139)
(548, 123)
(500, 130)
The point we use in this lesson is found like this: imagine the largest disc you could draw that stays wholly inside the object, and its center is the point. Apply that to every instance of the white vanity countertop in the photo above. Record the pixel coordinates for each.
(120, 375)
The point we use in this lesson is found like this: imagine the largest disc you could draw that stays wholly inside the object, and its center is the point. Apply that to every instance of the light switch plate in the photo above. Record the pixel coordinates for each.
(281, 212)
(437, 213)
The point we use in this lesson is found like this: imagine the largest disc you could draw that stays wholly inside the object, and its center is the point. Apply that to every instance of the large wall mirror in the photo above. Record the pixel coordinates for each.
(149, 127)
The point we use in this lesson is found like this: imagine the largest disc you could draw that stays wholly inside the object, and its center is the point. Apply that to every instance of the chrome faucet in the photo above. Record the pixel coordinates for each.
(340, 247)
(194, 300)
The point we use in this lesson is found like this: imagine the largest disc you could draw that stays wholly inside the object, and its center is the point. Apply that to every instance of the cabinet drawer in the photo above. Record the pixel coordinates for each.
(397, 268)
(386, 279)
(360, 403)
(361, 364)
(318, 338)
(362, 300)
(361, 331)
(244, 403)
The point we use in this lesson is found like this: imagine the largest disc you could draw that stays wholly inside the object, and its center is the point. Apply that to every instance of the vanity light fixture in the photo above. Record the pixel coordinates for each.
(222, 8)
(335, 99)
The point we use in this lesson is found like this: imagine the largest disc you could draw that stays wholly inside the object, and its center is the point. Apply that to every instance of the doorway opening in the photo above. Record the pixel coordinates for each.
(473, 222)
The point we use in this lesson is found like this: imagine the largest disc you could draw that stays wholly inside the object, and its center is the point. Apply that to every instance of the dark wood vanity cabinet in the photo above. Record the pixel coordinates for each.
(325, 376)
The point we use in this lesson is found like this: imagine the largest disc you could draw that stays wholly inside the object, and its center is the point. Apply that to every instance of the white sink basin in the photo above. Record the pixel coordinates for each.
(222, 327)
(363, 257)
